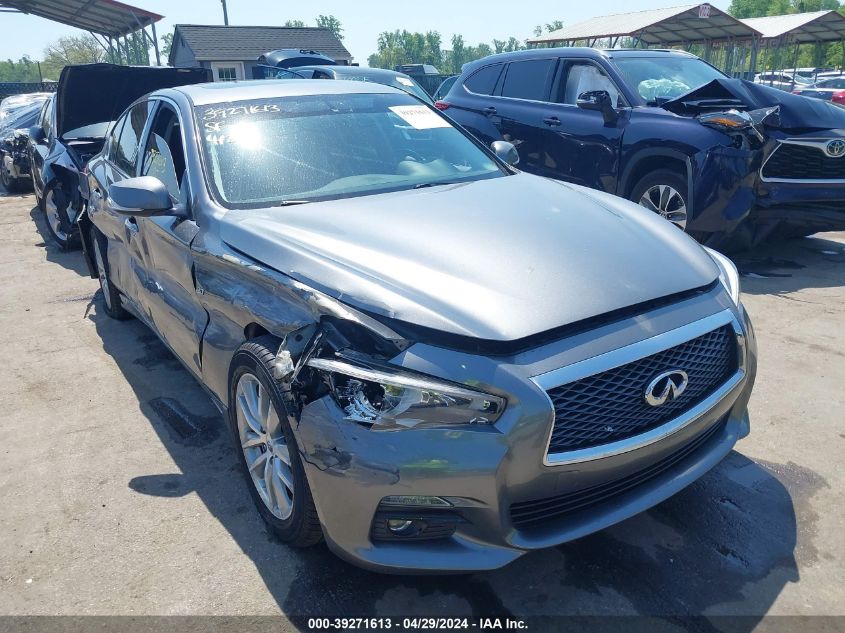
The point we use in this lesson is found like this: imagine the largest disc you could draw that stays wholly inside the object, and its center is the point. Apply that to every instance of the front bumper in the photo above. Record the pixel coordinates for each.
(483, 471)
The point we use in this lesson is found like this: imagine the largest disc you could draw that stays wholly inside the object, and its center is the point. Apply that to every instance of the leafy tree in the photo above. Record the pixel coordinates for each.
(296, 23)
(24, 70)
(74, 49)
(166, 44)
(331, 23)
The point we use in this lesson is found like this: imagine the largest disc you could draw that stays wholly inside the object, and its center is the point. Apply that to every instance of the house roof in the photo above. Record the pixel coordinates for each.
(814, 26)
(106, 17)
(672, 25)
(246, 43)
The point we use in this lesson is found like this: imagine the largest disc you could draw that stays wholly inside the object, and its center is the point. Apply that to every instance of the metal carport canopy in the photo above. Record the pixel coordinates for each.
(661, 27)
(802, 28)
(104, 17)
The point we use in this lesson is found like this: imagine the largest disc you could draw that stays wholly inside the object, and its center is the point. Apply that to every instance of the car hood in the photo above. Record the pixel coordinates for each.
(496, 259)
(96, 93)
(794, 111)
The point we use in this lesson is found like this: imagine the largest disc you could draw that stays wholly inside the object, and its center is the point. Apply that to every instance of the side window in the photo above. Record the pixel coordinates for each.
(483, 81)
(124, 153)
(585, 78)
(164, 155)
(528, 79)
(46, 121)
(113, 136)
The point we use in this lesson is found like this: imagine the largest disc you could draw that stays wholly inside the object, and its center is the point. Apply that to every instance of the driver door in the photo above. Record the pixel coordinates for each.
(584, 149)
(169, 294)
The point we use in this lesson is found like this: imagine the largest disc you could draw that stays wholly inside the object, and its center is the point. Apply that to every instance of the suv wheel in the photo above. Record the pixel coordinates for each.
(54, 205)
(267, 447)
(664, 192)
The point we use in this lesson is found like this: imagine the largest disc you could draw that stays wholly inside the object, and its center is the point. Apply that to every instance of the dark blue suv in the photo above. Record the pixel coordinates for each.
(729, 161)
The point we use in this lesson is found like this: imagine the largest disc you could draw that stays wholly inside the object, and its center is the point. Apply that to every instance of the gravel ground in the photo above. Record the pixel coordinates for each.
(120, 492)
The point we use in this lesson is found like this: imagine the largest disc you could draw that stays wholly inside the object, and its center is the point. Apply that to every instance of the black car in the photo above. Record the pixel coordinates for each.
(730, 161)
(14, 157)
(73, 125)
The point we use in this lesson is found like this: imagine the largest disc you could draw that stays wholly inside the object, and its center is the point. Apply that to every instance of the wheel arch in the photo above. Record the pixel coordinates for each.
(650, 160)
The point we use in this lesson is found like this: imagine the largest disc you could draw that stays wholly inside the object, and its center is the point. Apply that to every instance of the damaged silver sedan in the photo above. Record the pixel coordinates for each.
(427, 358)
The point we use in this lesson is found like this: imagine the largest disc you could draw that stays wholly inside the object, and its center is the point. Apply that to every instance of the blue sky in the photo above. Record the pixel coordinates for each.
(362, 21)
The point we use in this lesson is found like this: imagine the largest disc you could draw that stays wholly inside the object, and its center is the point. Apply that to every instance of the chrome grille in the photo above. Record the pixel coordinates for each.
(803, 162)
(610, 406)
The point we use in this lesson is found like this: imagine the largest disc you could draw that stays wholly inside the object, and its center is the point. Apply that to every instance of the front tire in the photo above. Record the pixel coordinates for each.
(54, 206)
(664, 192)
(267, 448)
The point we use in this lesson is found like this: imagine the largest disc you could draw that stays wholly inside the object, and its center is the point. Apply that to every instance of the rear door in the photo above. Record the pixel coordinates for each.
(169, 293)
(473, 104)
(523, 111)
(580, 146)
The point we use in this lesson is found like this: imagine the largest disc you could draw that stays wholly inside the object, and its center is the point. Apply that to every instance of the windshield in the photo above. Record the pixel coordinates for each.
(95, 130)
(293, 149)
(659, 79)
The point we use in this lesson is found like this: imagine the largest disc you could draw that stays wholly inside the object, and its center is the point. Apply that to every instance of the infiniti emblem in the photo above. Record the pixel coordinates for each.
(835, 148)
(666, 387)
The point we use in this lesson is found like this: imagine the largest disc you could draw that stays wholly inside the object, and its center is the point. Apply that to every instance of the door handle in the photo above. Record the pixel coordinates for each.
(131, 226)
(552, 121)
(489, 111)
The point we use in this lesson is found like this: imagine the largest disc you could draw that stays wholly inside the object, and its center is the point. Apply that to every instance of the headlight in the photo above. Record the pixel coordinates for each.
(728, 274)
(395, 400)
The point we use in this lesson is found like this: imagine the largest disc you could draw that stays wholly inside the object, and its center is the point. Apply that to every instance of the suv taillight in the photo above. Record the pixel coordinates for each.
(838, 97)
(441, 105)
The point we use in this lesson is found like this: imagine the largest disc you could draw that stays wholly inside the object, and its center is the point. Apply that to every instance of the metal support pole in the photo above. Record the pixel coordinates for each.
(225, 13)
(155, 44)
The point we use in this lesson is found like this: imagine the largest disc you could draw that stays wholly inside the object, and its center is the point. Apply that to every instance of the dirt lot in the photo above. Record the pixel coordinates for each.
(119, 489)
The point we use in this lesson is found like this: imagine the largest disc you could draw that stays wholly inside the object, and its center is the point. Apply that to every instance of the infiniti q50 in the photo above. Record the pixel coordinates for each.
(427, 358)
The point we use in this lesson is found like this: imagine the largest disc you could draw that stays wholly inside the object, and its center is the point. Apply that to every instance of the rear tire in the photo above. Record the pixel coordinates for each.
(267, 448)
(112, 300)
(664, 192)
(53, 205)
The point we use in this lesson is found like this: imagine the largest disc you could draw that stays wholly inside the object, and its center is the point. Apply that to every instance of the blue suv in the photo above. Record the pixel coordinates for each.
(729, 161)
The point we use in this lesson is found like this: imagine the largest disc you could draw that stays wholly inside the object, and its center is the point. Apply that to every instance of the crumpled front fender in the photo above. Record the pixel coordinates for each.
(724, 180)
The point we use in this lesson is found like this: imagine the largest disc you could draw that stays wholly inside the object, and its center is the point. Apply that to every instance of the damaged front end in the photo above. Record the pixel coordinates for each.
(350, 363)
(736, 204)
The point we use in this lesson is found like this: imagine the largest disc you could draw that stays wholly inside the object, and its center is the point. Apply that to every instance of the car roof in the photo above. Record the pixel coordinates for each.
(353, 70)
(226, 91)
(581, 52)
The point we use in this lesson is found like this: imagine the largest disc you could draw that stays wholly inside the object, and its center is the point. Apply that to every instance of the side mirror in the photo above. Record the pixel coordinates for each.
(144, 196)
(36, 133)
(600, 101)
(506, 152)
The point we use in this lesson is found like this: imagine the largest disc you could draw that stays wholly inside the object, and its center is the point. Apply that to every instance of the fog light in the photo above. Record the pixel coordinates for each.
(415, 500)
(401, 527)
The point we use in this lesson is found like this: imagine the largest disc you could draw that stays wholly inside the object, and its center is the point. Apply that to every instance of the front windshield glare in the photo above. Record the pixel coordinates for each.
(662, 78)
(289, 149)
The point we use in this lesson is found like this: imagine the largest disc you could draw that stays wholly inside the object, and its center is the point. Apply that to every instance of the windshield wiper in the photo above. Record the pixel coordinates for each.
(290, 203)
(423, 185)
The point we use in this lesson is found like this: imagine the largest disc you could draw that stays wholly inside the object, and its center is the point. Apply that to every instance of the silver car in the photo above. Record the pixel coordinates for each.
(427, 358)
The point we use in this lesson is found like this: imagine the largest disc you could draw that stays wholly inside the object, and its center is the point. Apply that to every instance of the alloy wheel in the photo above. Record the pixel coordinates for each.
(668, 202)
(264, 446)
(51, 209)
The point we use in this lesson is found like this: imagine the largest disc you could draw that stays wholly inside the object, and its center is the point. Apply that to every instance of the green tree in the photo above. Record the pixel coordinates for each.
(331, 23)
(25, 70)
(166, 44)
(295, 23)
